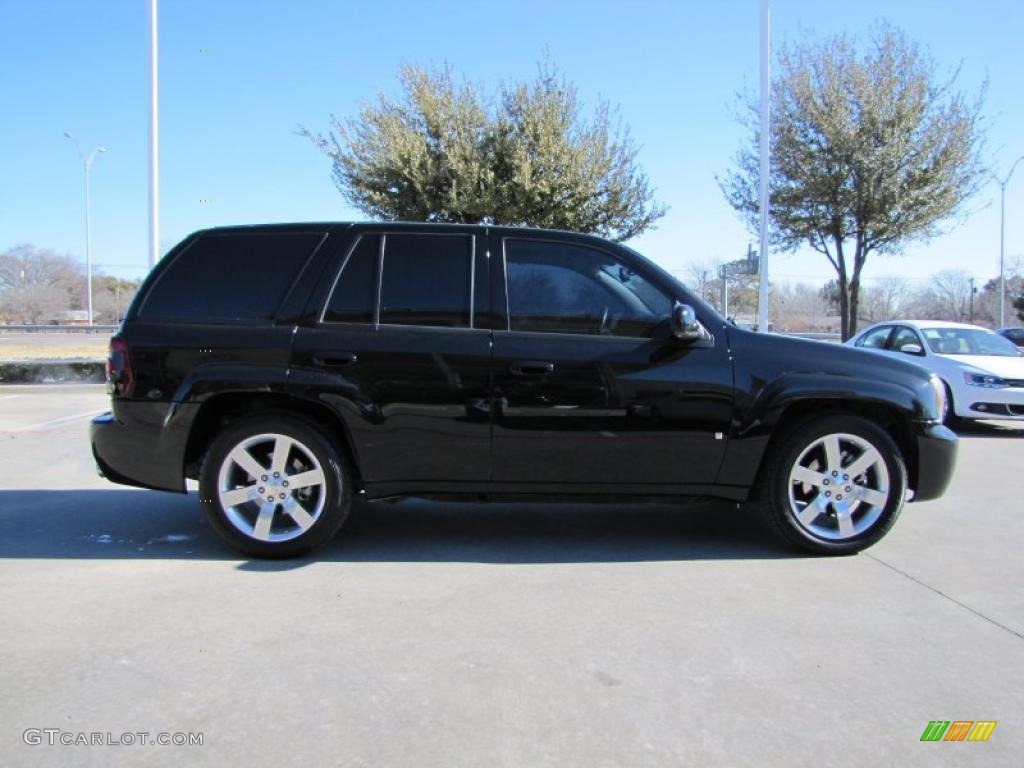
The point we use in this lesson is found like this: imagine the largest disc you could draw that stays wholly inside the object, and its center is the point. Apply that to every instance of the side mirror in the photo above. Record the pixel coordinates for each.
(912, 349)
(684, 322)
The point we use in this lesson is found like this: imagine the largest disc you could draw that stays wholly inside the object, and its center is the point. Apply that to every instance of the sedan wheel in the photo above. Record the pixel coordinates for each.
(834, 485)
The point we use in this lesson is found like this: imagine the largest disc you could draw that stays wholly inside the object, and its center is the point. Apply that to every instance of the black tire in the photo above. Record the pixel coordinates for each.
(335, 491)
(949, 417)
(774, 490)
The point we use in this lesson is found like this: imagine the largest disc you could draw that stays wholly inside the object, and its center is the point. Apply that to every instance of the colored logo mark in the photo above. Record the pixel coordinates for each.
(958, 730)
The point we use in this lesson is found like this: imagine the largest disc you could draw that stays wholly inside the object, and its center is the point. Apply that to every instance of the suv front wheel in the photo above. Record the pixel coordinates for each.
(834, 485)
(275, 486)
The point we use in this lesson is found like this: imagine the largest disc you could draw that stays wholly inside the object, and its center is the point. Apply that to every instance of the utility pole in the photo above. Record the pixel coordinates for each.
(1002, 237)
(971, 311)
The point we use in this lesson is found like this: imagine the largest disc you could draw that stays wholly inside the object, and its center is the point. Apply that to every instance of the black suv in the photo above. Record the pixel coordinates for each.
(288, 368)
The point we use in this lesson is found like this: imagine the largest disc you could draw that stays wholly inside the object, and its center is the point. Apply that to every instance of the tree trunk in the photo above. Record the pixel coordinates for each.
(854, 306)
(844, 308)
(860, 256)
(844, 296)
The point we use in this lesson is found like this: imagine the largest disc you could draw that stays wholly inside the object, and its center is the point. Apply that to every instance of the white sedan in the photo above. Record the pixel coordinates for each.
(983, 372)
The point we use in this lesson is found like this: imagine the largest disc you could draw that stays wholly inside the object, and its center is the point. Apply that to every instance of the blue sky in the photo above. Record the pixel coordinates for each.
(228, 117)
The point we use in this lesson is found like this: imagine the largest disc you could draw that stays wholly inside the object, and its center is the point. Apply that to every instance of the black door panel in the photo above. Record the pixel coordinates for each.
(416, 397)
(416, 401)
(590, 387)
(610, 410)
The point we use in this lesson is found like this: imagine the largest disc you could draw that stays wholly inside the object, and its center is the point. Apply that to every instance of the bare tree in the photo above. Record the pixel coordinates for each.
(111, 297)
(36, 284)
(870, 150)
(797, 307)
(947, 296)
(886, 299)
(702, 277)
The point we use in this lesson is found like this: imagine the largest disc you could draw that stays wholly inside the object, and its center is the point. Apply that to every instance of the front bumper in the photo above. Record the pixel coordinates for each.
(988, 403)
(936, 459)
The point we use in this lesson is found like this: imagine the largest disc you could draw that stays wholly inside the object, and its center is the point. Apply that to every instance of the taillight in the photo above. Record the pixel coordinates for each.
(119, 368)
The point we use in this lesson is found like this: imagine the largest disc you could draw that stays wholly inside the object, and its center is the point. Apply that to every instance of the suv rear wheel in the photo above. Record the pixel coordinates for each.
(835, 485)
(275, 486)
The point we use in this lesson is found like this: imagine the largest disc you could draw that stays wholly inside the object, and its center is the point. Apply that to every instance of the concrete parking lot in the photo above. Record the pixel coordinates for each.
(435, 634)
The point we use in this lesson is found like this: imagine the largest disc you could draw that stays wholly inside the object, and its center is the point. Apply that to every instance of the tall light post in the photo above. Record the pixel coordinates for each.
(1002, 237)
(764, 149)
(154, 140)
(86, 165)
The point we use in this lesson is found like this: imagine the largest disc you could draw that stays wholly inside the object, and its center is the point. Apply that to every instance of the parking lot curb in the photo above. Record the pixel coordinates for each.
(51, 371)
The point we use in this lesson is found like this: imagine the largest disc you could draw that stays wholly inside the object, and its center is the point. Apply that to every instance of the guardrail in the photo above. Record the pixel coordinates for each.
(107, 330)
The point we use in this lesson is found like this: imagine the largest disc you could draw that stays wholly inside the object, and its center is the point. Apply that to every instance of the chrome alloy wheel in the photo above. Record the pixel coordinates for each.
(838, 487)
(271, 487)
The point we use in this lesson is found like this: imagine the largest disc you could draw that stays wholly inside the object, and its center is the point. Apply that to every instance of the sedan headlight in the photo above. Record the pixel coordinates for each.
(985, 380)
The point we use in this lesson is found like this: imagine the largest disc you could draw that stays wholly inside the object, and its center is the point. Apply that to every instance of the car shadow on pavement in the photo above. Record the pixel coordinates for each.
(989, 429)
(136, 524)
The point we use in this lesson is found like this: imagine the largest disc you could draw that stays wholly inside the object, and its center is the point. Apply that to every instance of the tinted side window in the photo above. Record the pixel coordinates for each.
(355, 292)
(426, 280)
(564, 288)
(229, 278)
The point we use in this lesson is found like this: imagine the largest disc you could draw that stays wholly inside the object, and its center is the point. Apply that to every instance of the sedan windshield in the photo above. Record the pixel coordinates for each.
(968, 341)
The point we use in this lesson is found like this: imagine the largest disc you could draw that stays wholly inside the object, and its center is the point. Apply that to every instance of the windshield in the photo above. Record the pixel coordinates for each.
(968, 341)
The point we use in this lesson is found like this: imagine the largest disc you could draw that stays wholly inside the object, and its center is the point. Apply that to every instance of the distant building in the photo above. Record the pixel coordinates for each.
(72, 317)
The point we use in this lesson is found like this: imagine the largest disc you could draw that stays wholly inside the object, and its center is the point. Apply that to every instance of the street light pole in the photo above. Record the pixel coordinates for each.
(1002, 238)
(764, 148)
(86, 165)
(154, 139)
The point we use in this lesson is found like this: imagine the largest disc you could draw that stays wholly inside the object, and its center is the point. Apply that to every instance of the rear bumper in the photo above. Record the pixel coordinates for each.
(135, 447)
(936, 459)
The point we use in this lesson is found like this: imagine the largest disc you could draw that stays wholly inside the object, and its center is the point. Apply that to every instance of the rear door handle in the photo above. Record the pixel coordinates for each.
(531, 368)
(334, 358)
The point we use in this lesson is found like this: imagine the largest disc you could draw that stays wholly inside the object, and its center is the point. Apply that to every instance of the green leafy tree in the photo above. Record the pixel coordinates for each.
(444, 152)
(870, 150)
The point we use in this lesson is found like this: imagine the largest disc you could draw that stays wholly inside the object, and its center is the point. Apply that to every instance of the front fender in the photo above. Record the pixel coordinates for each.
(766, 404)
(769, 402)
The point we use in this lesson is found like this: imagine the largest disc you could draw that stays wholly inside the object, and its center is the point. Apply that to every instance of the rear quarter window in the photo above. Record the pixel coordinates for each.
(229, 278)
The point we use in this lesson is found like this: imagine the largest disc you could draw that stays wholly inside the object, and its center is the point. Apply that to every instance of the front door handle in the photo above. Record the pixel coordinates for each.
(531, 368)
(334, 359)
